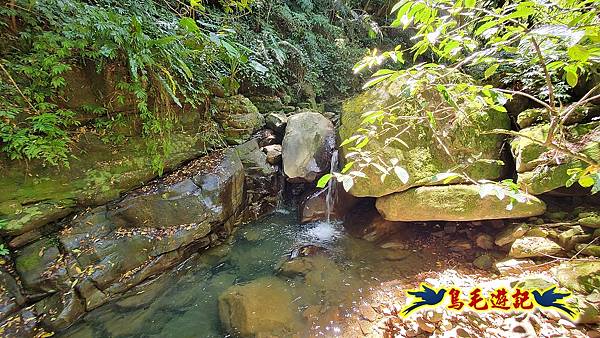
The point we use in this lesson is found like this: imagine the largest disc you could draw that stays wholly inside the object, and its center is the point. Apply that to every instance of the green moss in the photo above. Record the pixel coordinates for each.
(418, 151)
(451, 203)
(30, 261)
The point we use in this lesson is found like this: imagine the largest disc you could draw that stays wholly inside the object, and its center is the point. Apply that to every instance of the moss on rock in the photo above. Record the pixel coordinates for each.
(452, 203)
(32, 195)
(417, 149)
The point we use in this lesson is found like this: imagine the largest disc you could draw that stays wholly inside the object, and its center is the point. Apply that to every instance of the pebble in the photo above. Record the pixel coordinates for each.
(484, 241)
(393, 245)
(434, 316)
(446, 325)
(460, 245)
(484, 262)
(567, 324)
(460, 332)
(412, 329)
(368, 313)
(425, 325)
(551, 314)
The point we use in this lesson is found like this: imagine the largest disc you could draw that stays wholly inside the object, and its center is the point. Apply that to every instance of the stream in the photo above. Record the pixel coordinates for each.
(184, 302)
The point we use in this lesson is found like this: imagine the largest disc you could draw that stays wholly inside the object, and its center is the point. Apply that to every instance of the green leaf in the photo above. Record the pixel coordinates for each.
(586, 181)
(571, 75)
(347, 167)
(349, 140)
(189, 25)
(382, 72)
(322, 183)
(524, 9)
(485, 27)
(579, 53)
(445, 178)
(376, 80)
(469, 3)
(491, 70)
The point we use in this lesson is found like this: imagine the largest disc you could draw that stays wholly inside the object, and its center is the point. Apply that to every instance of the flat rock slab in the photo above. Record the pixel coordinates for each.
(453, 203)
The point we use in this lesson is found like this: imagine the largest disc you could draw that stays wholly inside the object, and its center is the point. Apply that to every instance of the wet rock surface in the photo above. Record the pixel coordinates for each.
(244, 310)
(313, 204)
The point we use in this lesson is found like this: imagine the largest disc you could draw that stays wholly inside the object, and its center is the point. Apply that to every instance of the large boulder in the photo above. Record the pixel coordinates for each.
(307, 146)
(407, 136)
(453, 203)
(238, 117)
(542, 170)
(262, 307)
(262, 182)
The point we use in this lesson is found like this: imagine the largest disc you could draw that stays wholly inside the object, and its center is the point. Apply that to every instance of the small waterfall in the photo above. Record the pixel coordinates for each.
(330, 197)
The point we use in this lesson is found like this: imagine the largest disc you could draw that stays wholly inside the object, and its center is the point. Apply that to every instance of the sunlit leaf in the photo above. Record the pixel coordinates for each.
(402, 174)
(491, 70)
(323, 181)
(586, 181)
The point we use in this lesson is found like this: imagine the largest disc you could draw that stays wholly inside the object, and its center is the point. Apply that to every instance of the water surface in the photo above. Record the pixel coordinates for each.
(184, 302)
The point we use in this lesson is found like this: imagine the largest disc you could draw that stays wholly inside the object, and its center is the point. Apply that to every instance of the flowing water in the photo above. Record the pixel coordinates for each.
(184, 302)
(330, 185)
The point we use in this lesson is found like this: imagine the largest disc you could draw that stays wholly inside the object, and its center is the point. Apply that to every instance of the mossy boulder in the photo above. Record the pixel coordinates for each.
(452, 203)
(416, 147)
(238, 117)
(529, 154)
(541, 170)
(267, 104)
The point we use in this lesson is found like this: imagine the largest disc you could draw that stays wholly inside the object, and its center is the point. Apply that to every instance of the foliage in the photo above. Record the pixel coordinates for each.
(164, 53)
(559, 40)
(308, 47)
(3, 250)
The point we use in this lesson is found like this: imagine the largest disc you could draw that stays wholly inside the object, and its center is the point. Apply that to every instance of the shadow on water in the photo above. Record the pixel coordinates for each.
(184, 302)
